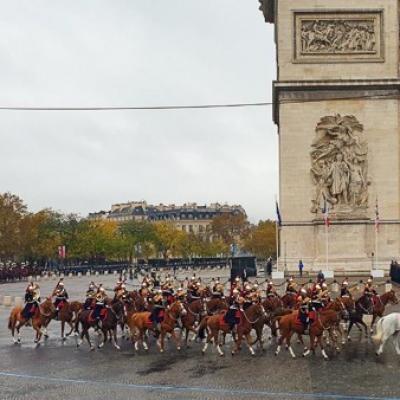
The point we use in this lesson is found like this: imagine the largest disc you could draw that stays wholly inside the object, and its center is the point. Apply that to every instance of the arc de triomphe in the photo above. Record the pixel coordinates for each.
(336, 105)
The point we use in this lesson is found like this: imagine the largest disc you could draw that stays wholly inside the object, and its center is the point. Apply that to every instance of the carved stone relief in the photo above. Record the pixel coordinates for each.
(339, 166)
(338, 37)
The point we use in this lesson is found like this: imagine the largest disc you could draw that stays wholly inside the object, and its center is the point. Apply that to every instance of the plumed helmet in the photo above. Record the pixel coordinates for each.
(237, 279)
(324, 285)
(102, 290)
(369, 280)
(235, 291)
(144, 285)
(317, 287)
(123, 286)
(303, 291)
(248, 287)
(61, 284)
(345, 283)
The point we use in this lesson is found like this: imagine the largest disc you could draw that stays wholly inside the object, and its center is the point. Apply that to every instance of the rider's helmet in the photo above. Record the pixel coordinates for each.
(303, 291)
(324, 285)
(317, 287)
(235, 292)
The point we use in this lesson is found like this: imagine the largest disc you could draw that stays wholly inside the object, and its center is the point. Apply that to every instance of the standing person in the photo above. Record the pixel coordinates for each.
(269, 266)
(301, 267)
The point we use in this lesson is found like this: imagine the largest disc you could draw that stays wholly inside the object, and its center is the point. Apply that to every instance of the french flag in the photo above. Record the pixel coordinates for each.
(325, 213)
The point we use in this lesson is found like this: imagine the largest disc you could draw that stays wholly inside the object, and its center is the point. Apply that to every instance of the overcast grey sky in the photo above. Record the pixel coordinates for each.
(134, 53)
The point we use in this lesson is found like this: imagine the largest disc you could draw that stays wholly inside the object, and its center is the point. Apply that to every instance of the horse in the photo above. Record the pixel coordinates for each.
(216, 305)
(216, 324)
(113, 313)
(195, 310)
(289, 300)
(380, 303)
(290, 324)
(274, 307)
(363, 306)
(40, 319)
(388, 326)
(67, 313)
(139, 323)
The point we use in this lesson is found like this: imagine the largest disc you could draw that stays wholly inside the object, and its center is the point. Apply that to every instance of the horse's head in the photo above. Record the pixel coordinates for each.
(48, 306)
(392, 297)
(177, 309)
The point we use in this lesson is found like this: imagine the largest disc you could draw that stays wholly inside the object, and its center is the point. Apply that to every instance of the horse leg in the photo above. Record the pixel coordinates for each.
(72, 328)
(383, 340)
(162, 341)
(218, 344)
(87, 336)
(113, 335)
(208, 340)
(249, 344)
(62, 329)
(365, 328)
(351, 323)
(320, 342)
(395, 338)
(374, 317)
(176, 339)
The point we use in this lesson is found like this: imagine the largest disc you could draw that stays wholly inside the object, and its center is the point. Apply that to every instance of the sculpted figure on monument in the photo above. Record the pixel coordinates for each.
(338, 36)
(339, 165)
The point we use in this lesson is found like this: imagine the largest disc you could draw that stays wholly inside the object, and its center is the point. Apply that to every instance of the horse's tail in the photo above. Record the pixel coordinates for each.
(202, 327)
(11, 321)
(379, 331)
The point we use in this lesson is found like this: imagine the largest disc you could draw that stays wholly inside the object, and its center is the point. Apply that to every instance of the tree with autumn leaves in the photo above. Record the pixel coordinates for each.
(27, 236)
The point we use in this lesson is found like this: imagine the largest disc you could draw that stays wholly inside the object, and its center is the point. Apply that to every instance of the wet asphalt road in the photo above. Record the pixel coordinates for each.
(55, 370)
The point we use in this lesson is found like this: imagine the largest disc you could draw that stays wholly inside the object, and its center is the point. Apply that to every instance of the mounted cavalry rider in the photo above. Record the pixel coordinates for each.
(100, 304)
(119, 288)
(32, 300)
(369, 288)
(61, 296)
(344, 289)
(90, 296)
(168, 292)
(217, 291)
(194, 293)
(270, 290)
(291, 286)
(156, 316)
(247, 296)
(255, 294)
(304, 307)
(236, 304)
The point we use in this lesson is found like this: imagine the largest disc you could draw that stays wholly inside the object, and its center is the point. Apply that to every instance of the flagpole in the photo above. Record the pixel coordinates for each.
(376, 232)
(277, 245)
(327, 245)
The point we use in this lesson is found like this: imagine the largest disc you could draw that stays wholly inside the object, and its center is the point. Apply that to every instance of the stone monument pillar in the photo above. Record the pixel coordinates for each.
(336, 105)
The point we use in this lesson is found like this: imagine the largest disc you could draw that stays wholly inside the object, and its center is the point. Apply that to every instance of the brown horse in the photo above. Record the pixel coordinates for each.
(195, 311)
(114, 312)
(289, 300)
(68, 313)
(290, 324)
(380, 302)
(40, 319)
(139, 323)
(215, 324)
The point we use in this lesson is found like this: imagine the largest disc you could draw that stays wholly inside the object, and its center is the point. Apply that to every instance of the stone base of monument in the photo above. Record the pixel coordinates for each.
(278, 275)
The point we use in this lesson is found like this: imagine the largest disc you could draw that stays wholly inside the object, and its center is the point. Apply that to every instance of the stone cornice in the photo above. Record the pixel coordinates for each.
(316, 90)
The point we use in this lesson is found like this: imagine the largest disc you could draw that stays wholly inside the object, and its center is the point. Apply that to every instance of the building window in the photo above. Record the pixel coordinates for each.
(191, 228)
(184, 227)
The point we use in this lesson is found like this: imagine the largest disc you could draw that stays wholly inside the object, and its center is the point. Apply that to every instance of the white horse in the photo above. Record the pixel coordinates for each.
(388, 326)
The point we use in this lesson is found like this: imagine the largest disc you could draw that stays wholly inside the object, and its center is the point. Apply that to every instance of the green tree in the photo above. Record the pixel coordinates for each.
(261, 240)
(12, 212)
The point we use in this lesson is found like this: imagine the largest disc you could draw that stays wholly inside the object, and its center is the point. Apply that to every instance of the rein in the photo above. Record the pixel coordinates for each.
(252, 322)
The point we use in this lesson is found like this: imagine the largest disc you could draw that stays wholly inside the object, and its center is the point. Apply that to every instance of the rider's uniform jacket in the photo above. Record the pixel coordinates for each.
(61, 294)
(100, 298)
(291, 287)
(29, 292)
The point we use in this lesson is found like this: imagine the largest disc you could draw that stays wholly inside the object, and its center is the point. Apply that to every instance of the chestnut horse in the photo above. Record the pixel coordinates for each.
(290, 324)
(139, 323)
(195, 311)
(380, 302)
(114, 312)
(68, 313)
(40, 319)
(216, 324)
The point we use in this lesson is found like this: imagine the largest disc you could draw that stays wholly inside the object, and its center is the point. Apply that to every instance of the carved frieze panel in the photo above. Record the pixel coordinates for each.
(339, 166)
(327, 37)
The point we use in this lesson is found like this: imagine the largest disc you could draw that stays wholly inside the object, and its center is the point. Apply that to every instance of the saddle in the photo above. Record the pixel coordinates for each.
(149, 322)
(103, 315)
